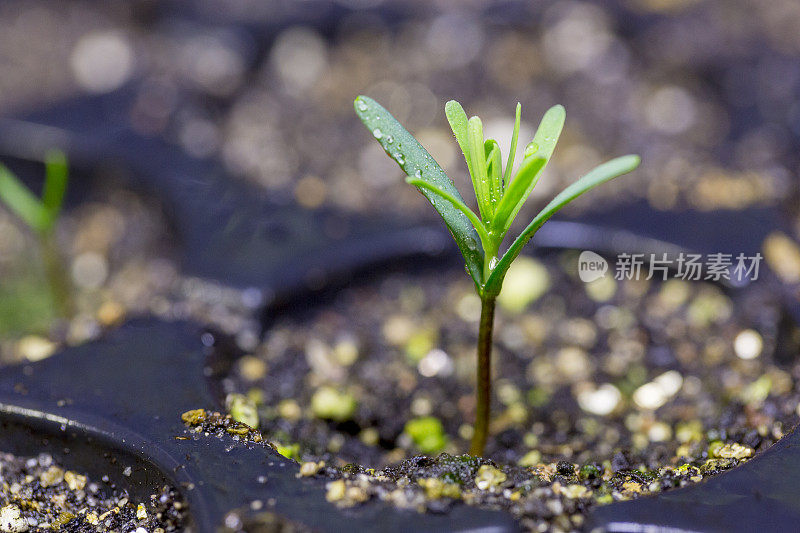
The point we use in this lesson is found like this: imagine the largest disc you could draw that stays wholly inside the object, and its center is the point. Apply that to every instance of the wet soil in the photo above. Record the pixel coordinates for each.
(36, 494)
(603, 391)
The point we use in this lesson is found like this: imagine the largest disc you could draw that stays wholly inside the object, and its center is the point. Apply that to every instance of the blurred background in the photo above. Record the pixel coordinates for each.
(708, 92)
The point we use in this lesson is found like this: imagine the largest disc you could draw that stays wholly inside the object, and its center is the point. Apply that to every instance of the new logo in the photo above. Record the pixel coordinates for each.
(591, 266)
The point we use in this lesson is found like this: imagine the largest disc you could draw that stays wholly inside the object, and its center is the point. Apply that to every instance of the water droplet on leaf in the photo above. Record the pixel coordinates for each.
(362, 106)
(377, 133)
(531, 149)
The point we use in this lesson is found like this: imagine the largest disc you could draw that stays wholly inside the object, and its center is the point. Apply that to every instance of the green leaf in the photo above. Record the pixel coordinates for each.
(22, 202)
(417, 163)
(55, 183)
(458, 123)
(480, 179)
(548, 132)
(598, 175)
(542, 146)
(525, 180)
(512, 153)
(458, 204)
(494, 168)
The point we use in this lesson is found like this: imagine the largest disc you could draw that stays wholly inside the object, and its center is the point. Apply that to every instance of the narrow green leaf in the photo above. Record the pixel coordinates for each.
(542, 146)
(21, 201)
(494, 168)
(458, 123)
(458, 204)
(417, 163)
(480, 179)
(512, 153)
(55, 183)
(598, 175)
(525, 180)
(548, 132)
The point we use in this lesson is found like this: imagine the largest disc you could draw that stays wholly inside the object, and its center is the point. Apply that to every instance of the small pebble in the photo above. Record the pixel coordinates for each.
(310, 468)
(35, 348)
(336, 490)
(12, 521)
(748, 344)
(733, 451)
(532, 458)
(252, 368)
(489, 477)
(110, 313)
(51, 476)
(74, 481)
(575, 491)
(600, 401)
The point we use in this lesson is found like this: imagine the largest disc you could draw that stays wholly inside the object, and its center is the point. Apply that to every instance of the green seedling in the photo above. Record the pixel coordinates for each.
(41, 215)
(331, 404)
(243, 409)
(427, 433)
(500, 194)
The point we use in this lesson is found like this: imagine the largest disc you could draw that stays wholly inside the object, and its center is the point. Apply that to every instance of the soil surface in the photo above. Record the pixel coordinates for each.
(275, 104)
(36, 494)
(602, 391)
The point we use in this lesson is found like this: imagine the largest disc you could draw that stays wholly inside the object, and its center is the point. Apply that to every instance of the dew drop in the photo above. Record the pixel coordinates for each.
(362, 106)
(399, 158)
(377, 133)
(389, 139)
(531, 149)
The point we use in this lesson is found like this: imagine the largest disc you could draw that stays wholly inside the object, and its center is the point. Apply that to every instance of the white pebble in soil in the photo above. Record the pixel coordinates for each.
(102, 61)
(600, 401)
(435, 363)
(748, 344)
(35, 348)
(299, 57)
(12, 521)
(656, 393)
(89, 270)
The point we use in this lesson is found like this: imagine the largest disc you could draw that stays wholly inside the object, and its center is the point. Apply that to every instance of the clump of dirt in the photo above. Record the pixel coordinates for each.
(218, 424)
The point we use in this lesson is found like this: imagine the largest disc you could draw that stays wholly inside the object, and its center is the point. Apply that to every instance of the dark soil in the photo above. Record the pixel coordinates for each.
(602, 392)
(281, 116)
(36, 494)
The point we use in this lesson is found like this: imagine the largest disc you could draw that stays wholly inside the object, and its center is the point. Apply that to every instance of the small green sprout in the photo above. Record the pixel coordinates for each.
(330, 404)
(290, 451)
(427, 433)
(500, 194)
(40, 215)
(242, 409)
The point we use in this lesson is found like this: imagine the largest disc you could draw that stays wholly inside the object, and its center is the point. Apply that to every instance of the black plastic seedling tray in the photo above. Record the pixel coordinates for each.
(116, 402)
